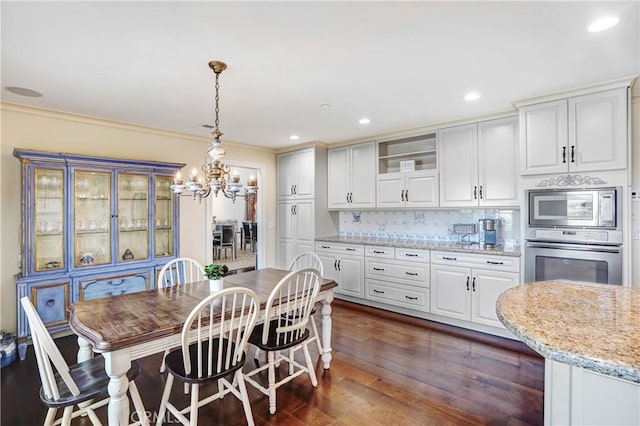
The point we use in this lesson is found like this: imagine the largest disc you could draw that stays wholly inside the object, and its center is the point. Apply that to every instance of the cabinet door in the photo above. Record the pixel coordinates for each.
(329, 265)
(351, 276)
(598, 131)
(450, 291)
(543, 138)
(486, 286)
(338, 178)
(390, 190)
(49, 217)
(498, 162)
(286, 250)
(164, 210)
(133, 216)
(286, 233)
(303, 222)
(363, 176)
(305, 173)
(421, 189)
(458, 164)
(286, 174)
(52, 302)
(92, 219)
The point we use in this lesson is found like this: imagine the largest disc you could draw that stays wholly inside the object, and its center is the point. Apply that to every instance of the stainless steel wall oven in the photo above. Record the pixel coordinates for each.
(574, 235)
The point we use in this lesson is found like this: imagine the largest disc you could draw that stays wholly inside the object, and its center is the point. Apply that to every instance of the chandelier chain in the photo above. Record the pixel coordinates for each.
(217, 110)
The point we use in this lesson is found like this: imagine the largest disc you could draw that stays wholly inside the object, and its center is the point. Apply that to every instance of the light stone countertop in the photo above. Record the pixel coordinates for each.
(593, 326)
(513, 251)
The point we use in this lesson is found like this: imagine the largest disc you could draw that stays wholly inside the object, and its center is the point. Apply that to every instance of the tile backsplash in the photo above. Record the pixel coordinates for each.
(433, 225)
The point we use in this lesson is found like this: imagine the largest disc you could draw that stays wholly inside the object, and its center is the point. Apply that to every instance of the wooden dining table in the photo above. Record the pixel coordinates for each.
(131, 326)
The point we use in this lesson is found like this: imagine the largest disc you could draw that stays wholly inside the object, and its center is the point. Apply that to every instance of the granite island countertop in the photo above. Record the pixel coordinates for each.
(593, 326)
(513, 251)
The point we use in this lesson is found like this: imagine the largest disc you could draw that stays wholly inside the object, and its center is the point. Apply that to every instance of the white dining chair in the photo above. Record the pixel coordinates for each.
(285, 327)
(66, 386)
(220, 325)
(179, 271)
(309, 260)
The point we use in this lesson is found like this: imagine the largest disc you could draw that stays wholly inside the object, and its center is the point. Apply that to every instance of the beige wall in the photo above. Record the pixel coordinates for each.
(44, 130)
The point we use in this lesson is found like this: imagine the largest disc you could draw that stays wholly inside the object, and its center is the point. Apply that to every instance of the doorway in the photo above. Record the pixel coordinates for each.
(223, 211)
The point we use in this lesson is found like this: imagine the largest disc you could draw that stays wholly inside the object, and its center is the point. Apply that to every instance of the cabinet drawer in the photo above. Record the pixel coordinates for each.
(493, 263)
(413, 255)
(51, 302)
(397, 271)
(381, 252)
(114, 285)
(398, 294)
(340, 248)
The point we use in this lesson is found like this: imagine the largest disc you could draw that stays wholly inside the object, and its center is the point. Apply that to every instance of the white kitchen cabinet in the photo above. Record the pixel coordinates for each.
(295, 233)
(397, 277)
(302, 212)
(466, 286)
(296, 174)
(407, 172)
(478, 164)
(352, 176)
(344, 263)
(410, 189)
(576, 134)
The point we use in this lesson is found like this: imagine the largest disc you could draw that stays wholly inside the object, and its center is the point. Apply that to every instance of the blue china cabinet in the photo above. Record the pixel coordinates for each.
(91, 227)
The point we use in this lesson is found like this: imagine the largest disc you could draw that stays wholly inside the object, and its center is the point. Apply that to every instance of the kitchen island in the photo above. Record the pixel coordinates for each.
(589, 335)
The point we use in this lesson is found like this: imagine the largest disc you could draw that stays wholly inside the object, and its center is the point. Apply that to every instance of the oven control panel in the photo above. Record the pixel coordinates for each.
(574, 235)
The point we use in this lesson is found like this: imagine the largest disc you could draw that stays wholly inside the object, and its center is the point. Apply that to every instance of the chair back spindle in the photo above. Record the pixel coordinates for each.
(307, 260)
(180, 271)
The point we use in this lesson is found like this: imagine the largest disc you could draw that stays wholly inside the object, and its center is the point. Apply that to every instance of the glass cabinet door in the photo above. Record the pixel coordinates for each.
(133, 217)
(164, 217)
(92, 218)
(48, 219)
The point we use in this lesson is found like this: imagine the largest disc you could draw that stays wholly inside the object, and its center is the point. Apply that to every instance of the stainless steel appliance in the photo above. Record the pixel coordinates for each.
(574, 235)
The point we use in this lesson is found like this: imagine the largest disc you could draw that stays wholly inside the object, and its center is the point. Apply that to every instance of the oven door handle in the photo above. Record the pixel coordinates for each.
(575, 247)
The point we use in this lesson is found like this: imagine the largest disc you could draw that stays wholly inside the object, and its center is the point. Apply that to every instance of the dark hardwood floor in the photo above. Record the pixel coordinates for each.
(387, 369)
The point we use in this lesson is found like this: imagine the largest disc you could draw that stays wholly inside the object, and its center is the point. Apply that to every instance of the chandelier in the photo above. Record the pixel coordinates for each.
(216, 177)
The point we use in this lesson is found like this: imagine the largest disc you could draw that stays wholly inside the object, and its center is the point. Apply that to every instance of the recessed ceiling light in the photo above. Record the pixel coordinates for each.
(294, 137)
(23, 91)
(603, 24)
(472, 96)
(364, 120)
(325, 106)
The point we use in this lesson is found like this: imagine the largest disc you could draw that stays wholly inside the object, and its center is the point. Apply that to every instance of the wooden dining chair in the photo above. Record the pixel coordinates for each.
(225, 239)
(310, 260)
(67, 386)
(179, 271)
(285, 327)
(220, 325)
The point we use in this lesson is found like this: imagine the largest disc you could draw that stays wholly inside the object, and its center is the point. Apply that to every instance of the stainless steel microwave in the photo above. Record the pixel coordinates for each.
(589, 208)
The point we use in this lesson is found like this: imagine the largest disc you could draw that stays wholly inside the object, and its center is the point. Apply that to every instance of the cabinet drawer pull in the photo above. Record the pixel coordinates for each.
(491, 262)
(467, 283)
(350, 249)
(481, 192)
(473, 285)
(411, 298)
(413, 274)
(448, 258)
(475, 192)
(564, 155)
(406, 195)
(325, 246)
(378, 291)
(378, 252)
(411, 254)
(573, 153)
(50, 302)
(378, 269)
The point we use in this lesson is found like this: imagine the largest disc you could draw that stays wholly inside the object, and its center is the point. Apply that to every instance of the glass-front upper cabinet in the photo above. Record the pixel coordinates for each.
(133, 217)
(164, 208)
(91, 218)
(48, 224)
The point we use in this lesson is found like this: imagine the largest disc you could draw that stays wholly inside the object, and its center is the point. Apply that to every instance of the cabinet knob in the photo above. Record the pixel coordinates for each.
(50, 302)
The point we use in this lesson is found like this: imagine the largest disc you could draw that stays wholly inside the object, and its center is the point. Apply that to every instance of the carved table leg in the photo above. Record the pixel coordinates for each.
(116, 365)
(326, 330)
(85, 351)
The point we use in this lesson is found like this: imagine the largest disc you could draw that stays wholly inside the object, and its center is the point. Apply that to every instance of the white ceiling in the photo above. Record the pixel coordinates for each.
(402, 64)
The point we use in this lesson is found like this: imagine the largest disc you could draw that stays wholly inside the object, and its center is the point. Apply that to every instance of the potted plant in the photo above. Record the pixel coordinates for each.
(215, 273)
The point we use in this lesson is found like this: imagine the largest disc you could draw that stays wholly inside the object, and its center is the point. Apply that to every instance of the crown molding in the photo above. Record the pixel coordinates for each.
(84, 119)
